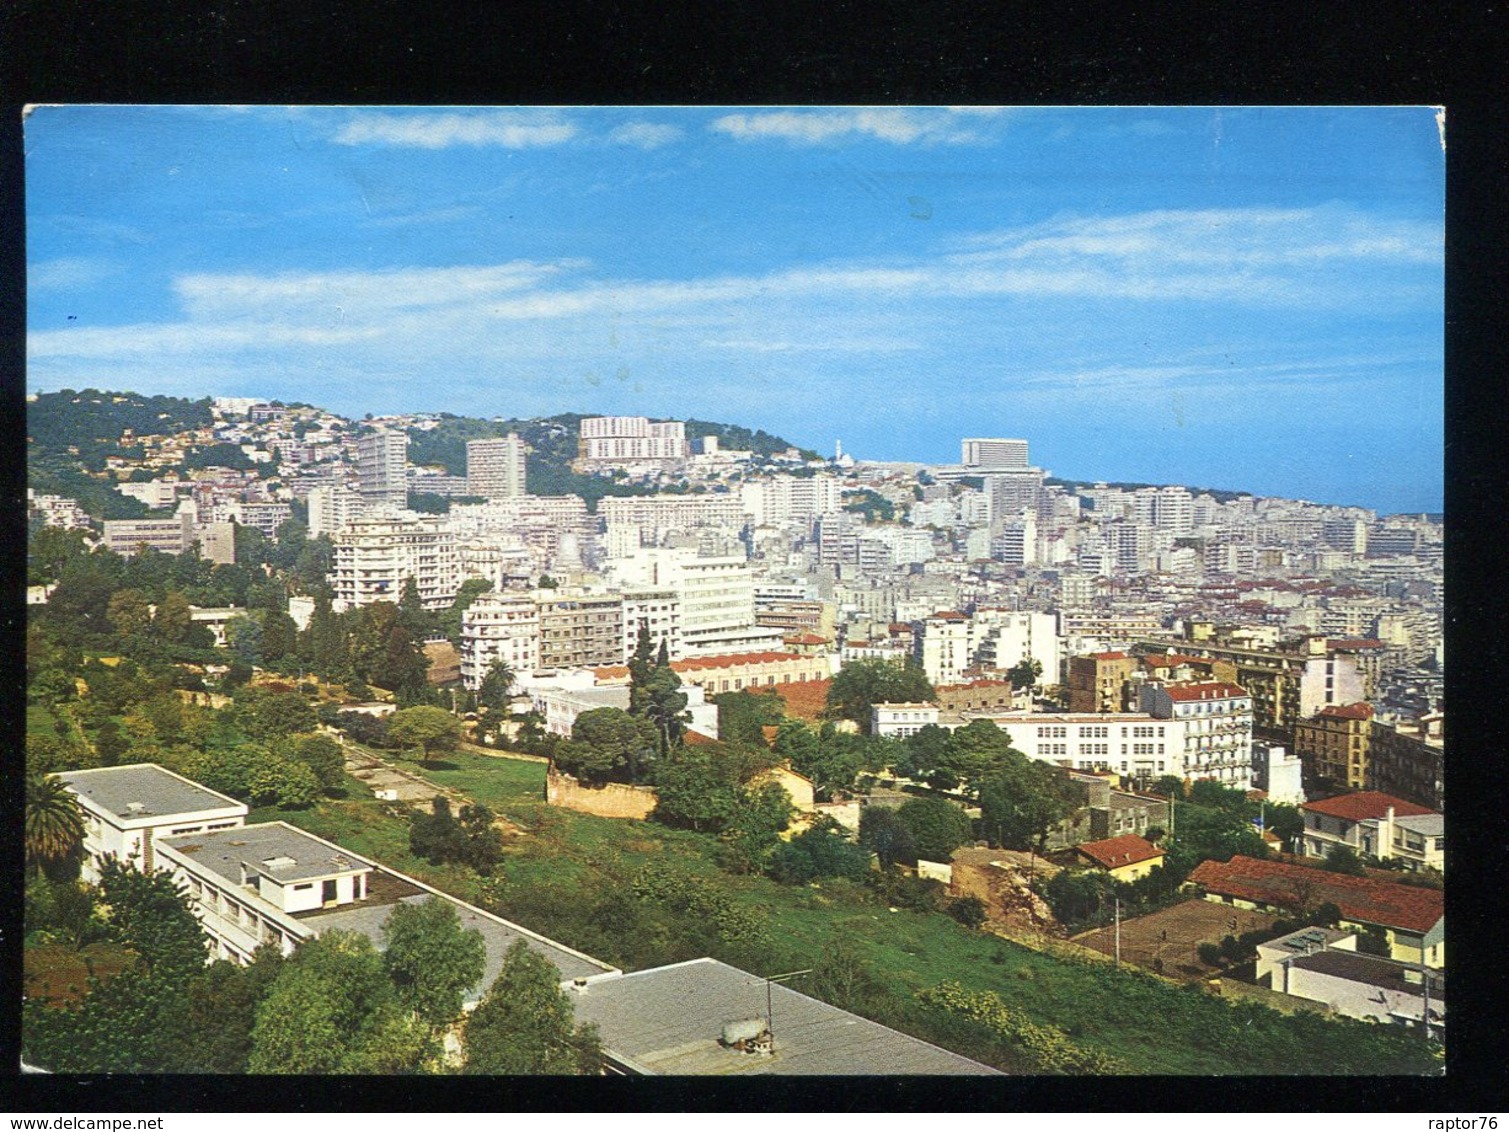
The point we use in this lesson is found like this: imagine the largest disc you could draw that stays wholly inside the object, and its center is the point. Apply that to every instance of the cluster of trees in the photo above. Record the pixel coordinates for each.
(338, 1004)
(929, 829)
(614, 745)
(470, 837)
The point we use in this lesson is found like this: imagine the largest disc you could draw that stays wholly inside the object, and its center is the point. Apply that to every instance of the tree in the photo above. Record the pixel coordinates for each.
(54, 825)
(742, 716)
(526, 1024)
(333, 1009)
(431, 959)
(654, 690)
(173, 618)
(698, 788)
(863, 683)
(150, 914)
(973, 753)
(430, 729)
(243, 635)
(887, 836)
(220, 1008)
(937, 827)
(969, 911)
(129, 613)
(1344, 859)
(496, 686)
(449, 620)
(272, 715)
(322, 755)
(616, 740)
(1025, 674)
(1024, 800)
(816, 853)
(437, 836)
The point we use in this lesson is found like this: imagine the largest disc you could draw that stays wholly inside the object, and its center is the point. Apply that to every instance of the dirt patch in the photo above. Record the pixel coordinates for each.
(1170, 939)
(59, 975)
(1002, 879)
(394, 784)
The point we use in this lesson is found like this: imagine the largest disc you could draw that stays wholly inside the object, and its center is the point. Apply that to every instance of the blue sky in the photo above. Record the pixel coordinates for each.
(1243, 298)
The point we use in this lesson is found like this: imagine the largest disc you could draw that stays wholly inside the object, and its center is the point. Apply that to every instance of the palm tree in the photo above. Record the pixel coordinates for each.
(54, 822)
(493, 693)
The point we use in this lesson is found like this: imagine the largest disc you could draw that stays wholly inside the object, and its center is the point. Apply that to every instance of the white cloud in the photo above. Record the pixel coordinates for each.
(69, 273)
(504, 129)
(816, 127)
(646, 135)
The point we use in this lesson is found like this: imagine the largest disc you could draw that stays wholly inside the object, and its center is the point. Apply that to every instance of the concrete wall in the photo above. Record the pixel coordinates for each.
(615, 800)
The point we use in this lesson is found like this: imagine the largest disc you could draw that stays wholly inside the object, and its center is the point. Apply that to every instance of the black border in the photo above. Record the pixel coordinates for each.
(896, 52)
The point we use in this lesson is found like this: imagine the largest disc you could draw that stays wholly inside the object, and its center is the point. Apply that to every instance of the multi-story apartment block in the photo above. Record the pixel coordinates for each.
(654, 515)
(945, 646)
(992, 452)
(1408, 760)
(579, 630)
(1217, 739)
(58, 511)
(1334, 744)
(794, 616)
(373, 557)
(717, 597)
(627, 441)
(170, 536)
(495, 467)
(1098, 682)
(381, 468)
(266, 517)
(1286, 685)
(734, 672)
(790, 499)
(660, 612)
(331, 507)
(499, 627)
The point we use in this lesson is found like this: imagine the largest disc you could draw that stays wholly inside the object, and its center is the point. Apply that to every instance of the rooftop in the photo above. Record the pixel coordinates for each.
(1347, 711)
(1375, 971)
(1117, 852)
(145, 790)
(1365, 804)
(1362, 899)
(368, 918)
(1187, 693)
(670, 1020)
(274, 849)
(1306, 940)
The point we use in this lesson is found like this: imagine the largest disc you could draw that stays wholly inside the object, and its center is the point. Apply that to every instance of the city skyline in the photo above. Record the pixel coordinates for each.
(1247, 299)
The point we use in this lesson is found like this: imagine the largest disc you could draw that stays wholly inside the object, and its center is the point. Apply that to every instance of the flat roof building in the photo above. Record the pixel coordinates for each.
(704, 1017)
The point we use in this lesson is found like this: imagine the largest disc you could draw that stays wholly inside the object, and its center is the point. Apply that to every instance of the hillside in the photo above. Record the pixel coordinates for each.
(553, 445)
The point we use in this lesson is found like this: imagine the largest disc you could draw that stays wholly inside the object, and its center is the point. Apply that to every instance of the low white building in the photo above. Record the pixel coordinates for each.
(1278, 773)
(1377, 825)
(129, 809)
(1324, 966)
(898, 720)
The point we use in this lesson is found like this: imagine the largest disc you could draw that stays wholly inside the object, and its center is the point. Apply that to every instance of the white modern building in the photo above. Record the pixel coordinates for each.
(1217, 728)
(374, 556)
(499, 627)
(495, 467)
(128, 810)
(627, 441)
(993, 452)
(382, 467)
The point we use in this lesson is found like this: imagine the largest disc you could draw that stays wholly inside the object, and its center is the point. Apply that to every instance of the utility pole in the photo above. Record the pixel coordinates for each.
(1118, 931)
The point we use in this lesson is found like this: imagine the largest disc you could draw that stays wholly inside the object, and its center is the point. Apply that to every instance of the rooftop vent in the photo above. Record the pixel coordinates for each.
(279, 862)
(748, 1035)
(135, 807)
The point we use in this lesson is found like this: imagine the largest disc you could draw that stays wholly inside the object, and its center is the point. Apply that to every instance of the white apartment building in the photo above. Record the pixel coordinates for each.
(373, 557)
(625, 441)
(717, 598)
(790, 499)
(331, 508)
(1217, 733)
(946, 647)
(499, 627)
(660, 611)
(382, 467)
(495, 467)
(993, 452)
(900, 720)
(1005, 638)
(654, 515)
(129, 809)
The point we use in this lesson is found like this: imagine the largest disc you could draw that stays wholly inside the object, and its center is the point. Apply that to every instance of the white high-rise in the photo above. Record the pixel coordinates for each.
(381, 468)
(495, 467)
(993, 452)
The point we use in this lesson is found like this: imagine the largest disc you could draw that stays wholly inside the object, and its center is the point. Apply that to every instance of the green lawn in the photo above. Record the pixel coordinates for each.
(565, 862)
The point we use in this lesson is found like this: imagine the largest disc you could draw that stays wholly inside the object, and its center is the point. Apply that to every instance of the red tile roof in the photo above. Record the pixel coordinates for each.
(805, 701)
(948, 615)
(1363, 899)
(1348, 711)
(1355, 643)
(974, 684)
(1182, 693)
(1108, 656)
(1115, 852)
(1366, 804)
(805, 639)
